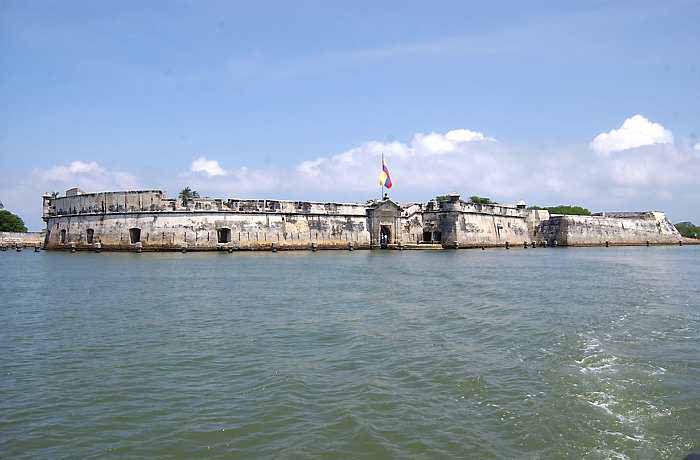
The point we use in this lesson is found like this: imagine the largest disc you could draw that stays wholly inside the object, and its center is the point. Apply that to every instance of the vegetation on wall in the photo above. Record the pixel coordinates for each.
(480, 200)
(187, 194)
(11, 223)
(565, 209)
(688, 230)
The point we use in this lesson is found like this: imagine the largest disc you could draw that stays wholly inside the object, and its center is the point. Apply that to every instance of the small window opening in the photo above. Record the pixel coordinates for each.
(63, 236)
(427, 237)
(90, 236)
(135, 235)
(223, 235)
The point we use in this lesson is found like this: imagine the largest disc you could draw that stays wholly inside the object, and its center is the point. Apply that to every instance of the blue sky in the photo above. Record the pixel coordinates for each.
(298, 99)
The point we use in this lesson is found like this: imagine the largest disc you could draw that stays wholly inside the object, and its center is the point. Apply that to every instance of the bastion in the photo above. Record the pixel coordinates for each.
(146, 220)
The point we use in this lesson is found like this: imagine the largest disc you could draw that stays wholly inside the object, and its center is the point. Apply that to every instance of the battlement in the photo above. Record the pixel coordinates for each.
(76, 202)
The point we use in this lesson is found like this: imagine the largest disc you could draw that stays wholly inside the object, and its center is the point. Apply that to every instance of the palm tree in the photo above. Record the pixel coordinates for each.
(187, 194)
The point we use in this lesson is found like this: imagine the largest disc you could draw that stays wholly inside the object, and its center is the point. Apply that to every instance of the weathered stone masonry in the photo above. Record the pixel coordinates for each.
(147, 220)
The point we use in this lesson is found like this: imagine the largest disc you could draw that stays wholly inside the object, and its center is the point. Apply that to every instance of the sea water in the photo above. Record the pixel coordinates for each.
(540, 353)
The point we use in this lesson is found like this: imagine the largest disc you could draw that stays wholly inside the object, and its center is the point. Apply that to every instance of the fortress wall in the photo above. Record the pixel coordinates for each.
(476, 229)
(549, 230)
(132, 201)
(428, 226)
(412, 223)
(490, 209)
(198, 230)
(22, 238)
(533, 220)
(117, 220)
(467, 224)
(298, 207)
(632, 229)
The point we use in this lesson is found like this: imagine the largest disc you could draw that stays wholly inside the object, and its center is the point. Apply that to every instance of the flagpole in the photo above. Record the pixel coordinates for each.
(381, 186)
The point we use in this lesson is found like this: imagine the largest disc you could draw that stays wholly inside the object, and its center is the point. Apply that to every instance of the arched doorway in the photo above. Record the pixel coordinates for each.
(385, 236)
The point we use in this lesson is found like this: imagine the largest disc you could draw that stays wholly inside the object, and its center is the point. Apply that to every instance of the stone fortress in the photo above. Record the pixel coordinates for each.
(146, 220)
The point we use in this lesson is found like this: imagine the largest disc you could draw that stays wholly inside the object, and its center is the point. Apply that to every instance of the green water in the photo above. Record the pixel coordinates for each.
(538, 353)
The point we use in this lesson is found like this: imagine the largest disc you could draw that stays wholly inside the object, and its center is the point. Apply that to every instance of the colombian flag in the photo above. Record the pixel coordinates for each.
(384, 177)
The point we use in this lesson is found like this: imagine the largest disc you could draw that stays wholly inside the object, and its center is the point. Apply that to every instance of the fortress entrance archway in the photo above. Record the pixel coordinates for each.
(383, 220)
(385, 236)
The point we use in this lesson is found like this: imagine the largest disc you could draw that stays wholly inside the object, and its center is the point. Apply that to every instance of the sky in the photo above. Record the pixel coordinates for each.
(593, 103)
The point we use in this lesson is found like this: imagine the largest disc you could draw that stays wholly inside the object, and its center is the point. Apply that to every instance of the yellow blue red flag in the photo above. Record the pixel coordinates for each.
(384, 177)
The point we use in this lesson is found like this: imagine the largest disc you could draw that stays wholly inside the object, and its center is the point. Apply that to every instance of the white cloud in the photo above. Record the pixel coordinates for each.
(436, 143)
(66, 173)
(433, 162)
(464, 135)
(636, 131)
(659, 176)
(697, 146)
(652, 177)
(209, 167)
(24, 196)
(90, 176)
(311, 167)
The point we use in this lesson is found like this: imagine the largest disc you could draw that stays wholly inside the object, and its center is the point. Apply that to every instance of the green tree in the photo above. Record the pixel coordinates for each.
(480, 200)
(688, 230)
(187, 194)
(11, 223)
(565, 209)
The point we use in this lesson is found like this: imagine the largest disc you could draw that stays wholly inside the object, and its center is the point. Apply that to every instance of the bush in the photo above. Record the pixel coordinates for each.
(480, 200)
(11, 223)
(688, 230)
(565, 209)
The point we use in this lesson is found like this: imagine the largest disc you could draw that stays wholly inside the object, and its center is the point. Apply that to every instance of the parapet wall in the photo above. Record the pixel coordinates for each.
(614, 228)
(24, 238)
(154, 201)
(92, 203)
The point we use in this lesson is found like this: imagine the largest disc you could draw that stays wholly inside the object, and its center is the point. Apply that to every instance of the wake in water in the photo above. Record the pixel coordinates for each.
(626, 395)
